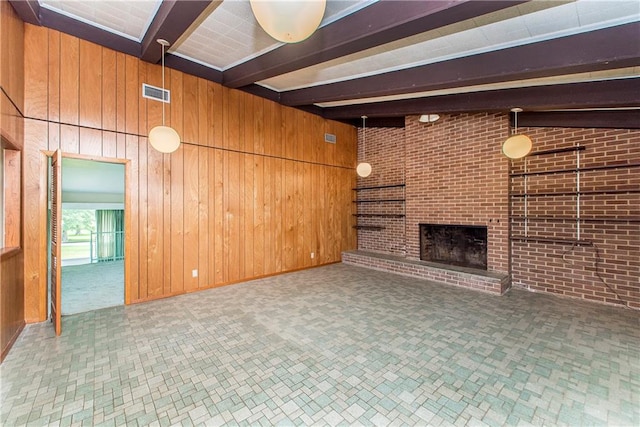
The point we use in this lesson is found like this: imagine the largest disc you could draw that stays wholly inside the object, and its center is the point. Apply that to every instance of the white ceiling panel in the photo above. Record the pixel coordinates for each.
(451, 42)
(231, 35)
(123, 17)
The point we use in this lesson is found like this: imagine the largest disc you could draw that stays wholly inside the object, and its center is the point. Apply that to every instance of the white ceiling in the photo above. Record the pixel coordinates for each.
(127, 18)
(90, 177)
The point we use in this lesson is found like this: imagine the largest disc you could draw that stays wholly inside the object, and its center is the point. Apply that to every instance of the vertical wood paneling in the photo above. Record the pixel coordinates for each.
(211, 198)
(177, 221)
(167, 227)
(232, 232)
(298, 204)
(259, 254)
(219, 254)
(278, 231)
(268, 214)
(121, 91)
(216, 114)
(203, 216)
(154, 108)
(143, 207)
(309, 222)
(54, 76)
(190, 197)
(155, 226)
(54, 136)
(132, 94)
(132, 257)
(36, 98)
(121, 146)
(69, 77)
(109, 89)
(70, 139)
(110, 144)
(232, 215)
(90, 142)
(143, 103)
(190, 114)
(289, 208)
(248, 215)
(176, 116)
(35, 173)
(90, 92)
(203, 113)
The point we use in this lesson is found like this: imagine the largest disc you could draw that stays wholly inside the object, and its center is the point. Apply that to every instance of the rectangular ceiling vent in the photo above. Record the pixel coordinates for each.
(156, 93)
(330, 138)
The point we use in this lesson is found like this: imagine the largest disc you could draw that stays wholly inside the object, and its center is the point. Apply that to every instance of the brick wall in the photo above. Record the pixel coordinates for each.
(456, 174)
(384, 150)
(609, 260)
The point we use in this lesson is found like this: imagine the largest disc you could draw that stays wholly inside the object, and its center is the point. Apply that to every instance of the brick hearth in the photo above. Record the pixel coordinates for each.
(495, 283)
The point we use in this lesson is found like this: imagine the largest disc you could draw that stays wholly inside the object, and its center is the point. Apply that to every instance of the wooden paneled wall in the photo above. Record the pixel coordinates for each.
(11, 136)
(253, 190)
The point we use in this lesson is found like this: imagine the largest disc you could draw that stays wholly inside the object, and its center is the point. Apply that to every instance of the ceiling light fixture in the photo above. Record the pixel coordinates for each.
(516, 146)
(163, 138)
(364, 168)
(428, 118)
(289, 21)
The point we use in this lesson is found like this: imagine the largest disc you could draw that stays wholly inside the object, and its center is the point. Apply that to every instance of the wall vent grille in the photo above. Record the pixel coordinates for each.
(155, 93)
(330, 138)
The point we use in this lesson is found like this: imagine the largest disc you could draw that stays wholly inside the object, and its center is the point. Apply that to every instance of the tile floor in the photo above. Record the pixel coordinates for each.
(88, 287)
(337, 345)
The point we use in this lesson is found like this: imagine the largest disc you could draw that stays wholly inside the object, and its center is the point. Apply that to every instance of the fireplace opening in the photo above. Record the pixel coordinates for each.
(461, 245)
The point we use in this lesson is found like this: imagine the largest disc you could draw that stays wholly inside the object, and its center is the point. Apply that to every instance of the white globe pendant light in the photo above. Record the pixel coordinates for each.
(163, 138)
(289, 21)
(517, 145)
(364, 169)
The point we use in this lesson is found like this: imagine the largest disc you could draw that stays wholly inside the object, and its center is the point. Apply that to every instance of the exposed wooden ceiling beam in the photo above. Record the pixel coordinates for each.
(612, 119)
(181, 64)
(382, 22)
(601, 94)
(609, 48)
(173, 18)
(27, 10)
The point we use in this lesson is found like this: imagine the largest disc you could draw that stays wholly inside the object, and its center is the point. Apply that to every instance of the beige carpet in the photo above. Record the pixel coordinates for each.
(92, 286)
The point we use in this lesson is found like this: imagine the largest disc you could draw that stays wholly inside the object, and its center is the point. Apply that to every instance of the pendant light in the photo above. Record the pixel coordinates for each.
(289, 21)
(364, 168)
(163, 138)
(516, 146)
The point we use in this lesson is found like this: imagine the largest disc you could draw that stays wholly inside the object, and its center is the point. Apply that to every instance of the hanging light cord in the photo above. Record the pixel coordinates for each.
(364, 138)
(163, 91)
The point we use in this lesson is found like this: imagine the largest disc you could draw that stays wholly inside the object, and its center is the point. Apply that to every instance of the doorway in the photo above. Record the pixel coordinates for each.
(92, 237)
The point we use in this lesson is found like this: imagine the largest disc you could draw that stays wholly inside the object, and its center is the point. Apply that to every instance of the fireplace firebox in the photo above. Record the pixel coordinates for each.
(461, 245)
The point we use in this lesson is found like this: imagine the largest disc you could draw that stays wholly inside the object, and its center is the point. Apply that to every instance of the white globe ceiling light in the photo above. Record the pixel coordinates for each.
(163, 138)
(517, 146)
(289, 21)
(364, 169)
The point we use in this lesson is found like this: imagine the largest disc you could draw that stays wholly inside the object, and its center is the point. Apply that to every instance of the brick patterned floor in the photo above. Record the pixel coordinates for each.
(336, 345)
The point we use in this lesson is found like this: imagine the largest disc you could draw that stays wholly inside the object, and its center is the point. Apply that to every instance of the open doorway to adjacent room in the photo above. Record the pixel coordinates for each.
(93, 237)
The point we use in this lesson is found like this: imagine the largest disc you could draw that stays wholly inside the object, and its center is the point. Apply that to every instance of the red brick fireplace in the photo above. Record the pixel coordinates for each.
(452, 172)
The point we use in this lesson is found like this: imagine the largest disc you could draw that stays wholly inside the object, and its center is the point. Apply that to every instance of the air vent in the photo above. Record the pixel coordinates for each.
(330, 138)
(155, 93)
